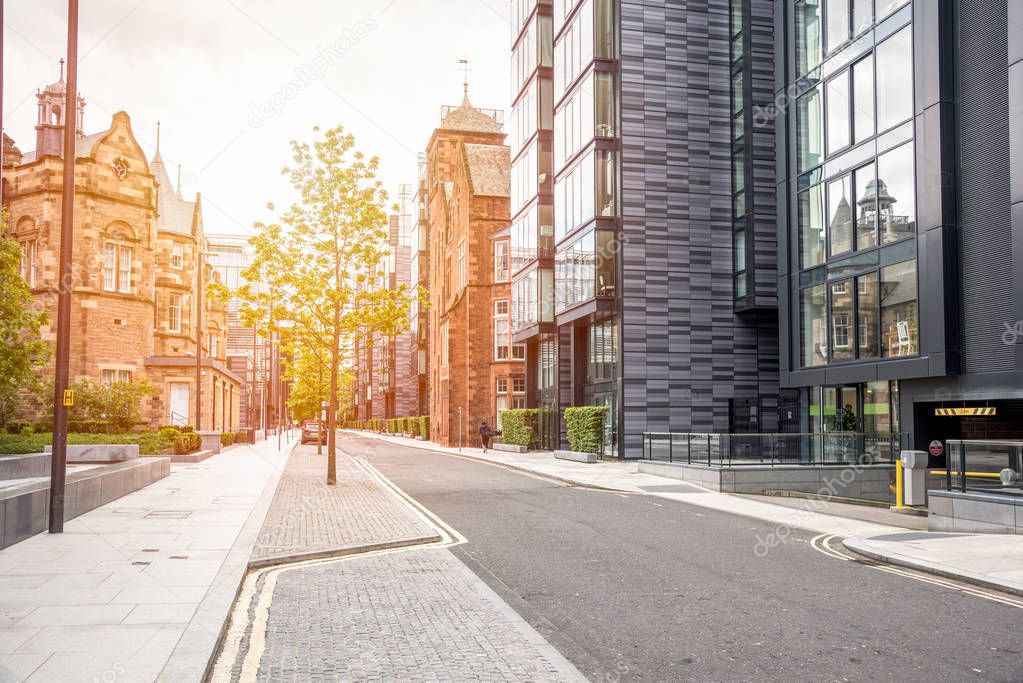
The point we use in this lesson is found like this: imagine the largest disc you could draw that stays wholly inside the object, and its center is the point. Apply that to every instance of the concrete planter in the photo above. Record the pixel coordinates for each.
(90, 453)
(576, 456)
(210, 441)
(509, 448)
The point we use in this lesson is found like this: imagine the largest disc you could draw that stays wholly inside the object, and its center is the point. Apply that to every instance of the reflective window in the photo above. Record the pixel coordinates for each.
(840, 215)
(606, 178)
(866, 316)
(838, 105)
(502, 263)
(590, 112)
(811, 227)
(606, 245)
(899, 323)
(894, 79)
(808, 35)
(866, 202)
(886, 7)
(534, 49)
(591, 35)
(863, 98)
(896, 190)
(575, 271)
(814, 328)
(842, 321)
(836, 14)
(810, 130)
(862, 16)
(602, 342)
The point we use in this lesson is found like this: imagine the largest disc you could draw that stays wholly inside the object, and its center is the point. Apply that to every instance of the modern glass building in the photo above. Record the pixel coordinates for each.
(642, 280)
(900, 176)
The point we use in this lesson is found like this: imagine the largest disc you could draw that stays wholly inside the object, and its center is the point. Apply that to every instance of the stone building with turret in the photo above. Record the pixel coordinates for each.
(138, 263)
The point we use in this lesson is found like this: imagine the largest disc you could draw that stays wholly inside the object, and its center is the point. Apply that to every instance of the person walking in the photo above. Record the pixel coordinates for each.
(485, 435)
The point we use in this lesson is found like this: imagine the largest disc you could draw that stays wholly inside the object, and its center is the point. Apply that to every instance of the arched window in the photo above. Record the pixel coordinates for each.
(55, 115)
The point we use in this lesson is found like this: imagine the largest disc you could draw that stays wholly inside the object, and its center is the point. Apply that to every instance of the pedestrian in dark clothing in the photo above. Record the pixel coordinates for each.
(485, 435)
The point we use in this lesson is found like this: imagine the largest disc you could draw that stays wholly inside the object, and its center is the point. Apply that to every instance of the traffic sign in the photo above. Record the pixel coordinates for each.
(69, 397)
(936, 448)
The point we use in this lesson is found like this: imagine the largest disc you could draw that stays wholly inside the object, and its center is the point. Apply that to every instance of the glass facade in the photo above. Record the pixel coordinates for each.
(856, 205)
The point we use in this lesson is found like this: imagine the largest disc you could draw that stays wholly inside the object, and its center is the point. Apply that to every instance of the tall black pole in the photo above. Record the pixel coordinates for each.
(58, 461)
(198, 336)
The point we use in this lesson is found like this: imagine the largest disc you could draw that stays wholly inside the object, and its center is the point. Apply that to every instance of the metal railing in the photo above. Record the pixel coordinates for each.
(742, 450)
(987, 466)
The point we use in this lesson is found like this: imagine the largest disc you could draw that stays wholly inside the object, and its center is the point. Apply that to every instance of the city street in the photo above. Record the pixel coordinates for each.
(633, 587)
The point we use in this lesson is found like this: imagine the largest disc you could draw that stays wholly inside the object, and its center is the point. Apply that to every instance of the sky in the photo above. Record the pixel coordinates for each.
(232, 82)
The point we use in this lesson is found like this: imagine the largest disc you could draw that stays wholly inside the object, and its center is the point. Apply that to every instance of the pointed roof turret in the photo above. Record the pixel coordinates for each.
(468, 118)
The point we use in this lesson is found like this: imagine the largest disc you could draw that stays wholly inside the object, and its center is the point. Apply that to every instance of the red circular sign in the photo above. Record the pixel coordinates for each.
(936, 448)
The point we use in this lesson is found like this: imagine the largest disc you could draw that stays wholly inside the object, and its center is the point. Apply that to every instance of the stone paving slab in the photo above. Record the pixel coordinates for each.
(307, 517)
(417, 615)
(989, 560)
(117, 595)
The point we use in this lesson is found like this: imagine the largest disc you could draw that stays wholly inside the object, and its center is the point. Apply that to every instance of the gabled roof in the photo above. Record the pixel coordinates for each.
(176, 214)
(489, 170)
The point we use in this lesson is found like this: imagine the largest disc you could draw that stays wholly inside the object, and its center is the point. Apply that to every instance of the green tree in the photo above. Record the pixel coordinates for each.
(315, 268)
(21, 349)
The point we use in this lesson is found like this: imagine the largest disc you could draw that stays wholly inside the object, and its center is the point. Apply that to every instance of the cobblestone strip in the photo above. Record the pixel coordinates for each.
(307, 516)
(417, 615)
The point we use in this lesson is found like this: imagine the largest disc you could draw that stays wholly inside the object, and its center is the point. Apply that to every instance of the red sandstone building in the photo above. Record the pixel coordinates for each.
(474, 370)
(138, 246)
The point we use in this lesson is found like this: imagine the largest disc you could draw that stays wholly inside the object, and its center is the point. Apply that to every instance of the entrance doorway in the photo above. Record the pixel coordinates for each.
(180, 394)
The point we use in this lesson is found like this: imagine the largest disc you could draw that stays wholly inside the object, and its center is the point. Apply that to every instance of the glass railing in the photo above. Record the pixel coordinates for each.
(987, 466)
(738, 450)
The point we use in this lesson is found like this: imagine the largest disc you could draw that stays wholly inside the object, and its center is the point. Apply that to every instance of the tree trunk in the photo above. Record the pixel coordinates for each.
(335, 362)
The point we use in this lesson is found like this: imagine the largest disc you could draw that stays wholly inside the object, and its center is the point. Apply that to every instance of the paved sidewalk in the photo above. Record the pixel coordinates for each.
(990, 560)
(309, 518)
(402, 608)
(138, 589)
(417, 615)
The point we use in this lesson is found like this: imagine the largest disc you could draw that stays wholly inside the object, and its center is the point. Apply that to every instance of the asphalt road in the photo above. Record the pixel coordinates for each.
(640, 588)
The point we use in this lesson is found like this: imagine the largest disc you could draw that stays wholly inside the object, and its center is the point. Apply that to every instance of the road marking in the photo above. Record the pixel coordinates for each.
(822, 544)
(240, 625)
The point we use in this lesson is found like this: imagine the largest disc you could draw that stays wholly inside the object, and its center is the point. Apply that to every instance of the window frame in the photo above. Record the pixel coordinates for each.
(175, 312)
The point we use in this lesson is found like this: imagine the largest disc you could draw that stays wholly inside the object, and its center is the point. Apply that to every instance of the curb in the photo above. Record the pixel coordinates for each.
(293, 558)
(857, 546)
(518, 468)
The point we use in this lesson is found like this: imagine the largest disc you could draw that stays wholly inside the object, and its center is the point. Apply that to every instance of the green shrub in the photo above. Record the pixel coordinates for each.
(89, 426)
(188, 442)
(518, 427)
(43, 426)
(186, 429)
(17, 427)
(27, 430)
(169, 432)
(424, 426)
(586, 428)
(226, 438)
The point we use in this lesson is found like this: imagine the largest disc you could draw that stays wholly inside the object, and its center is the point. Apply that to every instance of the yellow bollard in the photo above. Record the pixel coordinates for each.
(899, 486)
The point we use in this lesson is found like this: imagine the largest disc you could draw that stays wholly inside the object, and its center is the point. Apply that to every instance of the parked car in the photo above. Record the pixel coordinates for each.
(311, 433)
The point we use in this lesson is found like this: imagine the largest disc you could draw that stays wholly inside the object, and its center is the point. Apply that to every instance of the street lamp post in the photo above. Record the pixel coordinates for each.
(61, 401)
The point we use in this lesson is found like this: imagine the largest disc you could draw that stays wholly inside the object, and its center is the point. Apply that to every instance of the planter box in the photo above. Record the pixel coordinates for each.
(575, 456)
(97, 453)
(210, 441)
(509, 447)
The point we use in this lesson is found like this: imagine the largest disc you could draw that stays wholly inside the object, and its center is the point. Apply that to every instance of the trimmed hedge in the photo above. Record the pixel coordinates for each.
(419, 425)
(518, 427)
(149, 443)
(586, 428)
